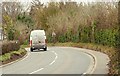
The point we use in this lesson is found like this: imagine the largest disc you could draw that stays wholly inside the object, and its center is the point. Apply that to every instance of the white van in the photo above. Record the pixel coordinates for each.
(38, 40)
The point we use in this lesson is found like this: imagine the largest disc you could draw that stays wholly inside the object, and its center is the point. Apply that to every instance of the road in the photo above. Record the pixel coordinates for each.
(60, 60)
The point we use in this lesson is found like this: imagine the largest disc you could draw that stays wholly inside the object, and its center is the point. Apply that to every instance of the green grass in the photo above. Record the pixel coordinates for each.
(7, 56)
(24, 46)
(18, 52)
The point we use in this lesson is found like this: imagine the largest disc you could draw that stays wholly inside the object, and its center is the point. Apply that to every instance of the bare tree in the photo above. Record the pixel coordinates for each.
(10, 11)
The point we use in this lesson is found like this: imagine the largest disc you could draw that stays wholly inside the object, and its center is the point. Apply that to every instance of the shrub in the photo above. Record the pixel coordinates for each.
(49, 38)
(11, 34)
(8, 46)
(21, 39)
(106, 37)
(26, 42)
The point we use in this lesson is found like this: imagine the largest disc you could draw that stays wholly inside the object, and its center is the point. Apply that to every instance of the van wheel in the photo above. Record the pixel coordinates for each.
(45, 49)
(31, 49)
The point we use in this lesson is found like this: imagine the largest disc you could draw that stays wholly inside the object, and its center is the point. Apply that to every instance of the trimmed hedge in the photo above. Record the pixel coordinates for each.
(8, 46)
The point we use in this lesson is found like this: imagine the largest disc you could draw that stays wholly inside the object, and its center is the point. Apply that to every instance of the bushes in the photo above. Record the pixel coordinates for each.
(8, 46)
(85, 35)
(49, 38)
(101, 36)
(106, 37)
(11, 34)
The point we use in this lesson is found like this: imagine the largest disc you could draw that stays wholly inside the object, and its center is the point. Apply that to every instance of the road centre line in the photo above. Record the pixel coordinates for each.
(56, 56)
(36, 71)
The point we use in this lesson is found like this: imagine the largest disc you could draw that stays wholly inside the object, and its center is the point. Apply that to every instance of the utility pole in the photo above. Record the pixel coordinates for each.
(1, 31)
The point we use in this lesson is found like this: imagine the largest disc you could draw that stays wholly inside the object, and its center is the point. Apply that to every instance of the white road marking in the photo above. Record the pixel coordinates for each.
(48, 49)
(27, 54)
(56, 56)
(95, 63)
(91, 68)
(36, 71)
(84, 73)
(25, 57)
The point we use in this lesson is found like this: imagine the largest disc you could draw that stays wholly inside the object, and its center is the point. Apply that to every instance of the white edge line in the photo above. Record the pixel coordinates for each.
(91, 68)
(28, 53)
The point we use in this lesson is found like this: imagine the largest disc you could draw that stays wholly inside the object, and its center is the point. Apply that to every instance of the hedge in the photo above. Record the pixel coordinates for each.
(8, 46)
(108, 37)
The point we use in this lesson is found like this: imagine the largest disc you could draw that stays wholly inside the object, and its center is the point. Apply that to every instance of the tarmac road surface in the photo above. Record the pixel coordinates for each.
(60, 60)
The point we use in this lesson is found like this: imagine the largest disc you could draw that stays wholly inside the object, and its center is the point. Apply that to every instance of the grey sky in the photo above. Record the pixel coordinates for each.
(26, 3)
(44, 1)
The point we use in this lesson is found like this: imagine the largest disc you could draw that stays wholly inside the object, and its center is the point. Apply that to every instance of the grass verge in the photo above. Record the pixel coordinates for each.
(110, 51)
(12, 56)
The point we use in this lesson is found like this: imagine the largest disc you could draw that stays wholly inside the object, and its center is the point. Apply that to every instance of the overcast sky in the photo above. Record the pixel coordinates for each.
(25, 2)
(64, 0)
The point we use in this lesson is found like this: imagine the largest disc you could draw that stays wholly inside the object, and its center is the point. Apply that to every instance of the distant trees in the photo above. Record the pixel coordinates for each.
(95, 22)
(0, 14)
(118, 44)
(10, 10)
(15, 21)
(72, 22)
(41, 13)
(26, 19)
(84, 22)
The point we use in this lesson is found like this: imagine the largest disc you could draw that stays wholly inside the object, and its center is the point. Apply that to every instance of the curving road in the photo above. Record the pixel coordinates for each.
(60, 60)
